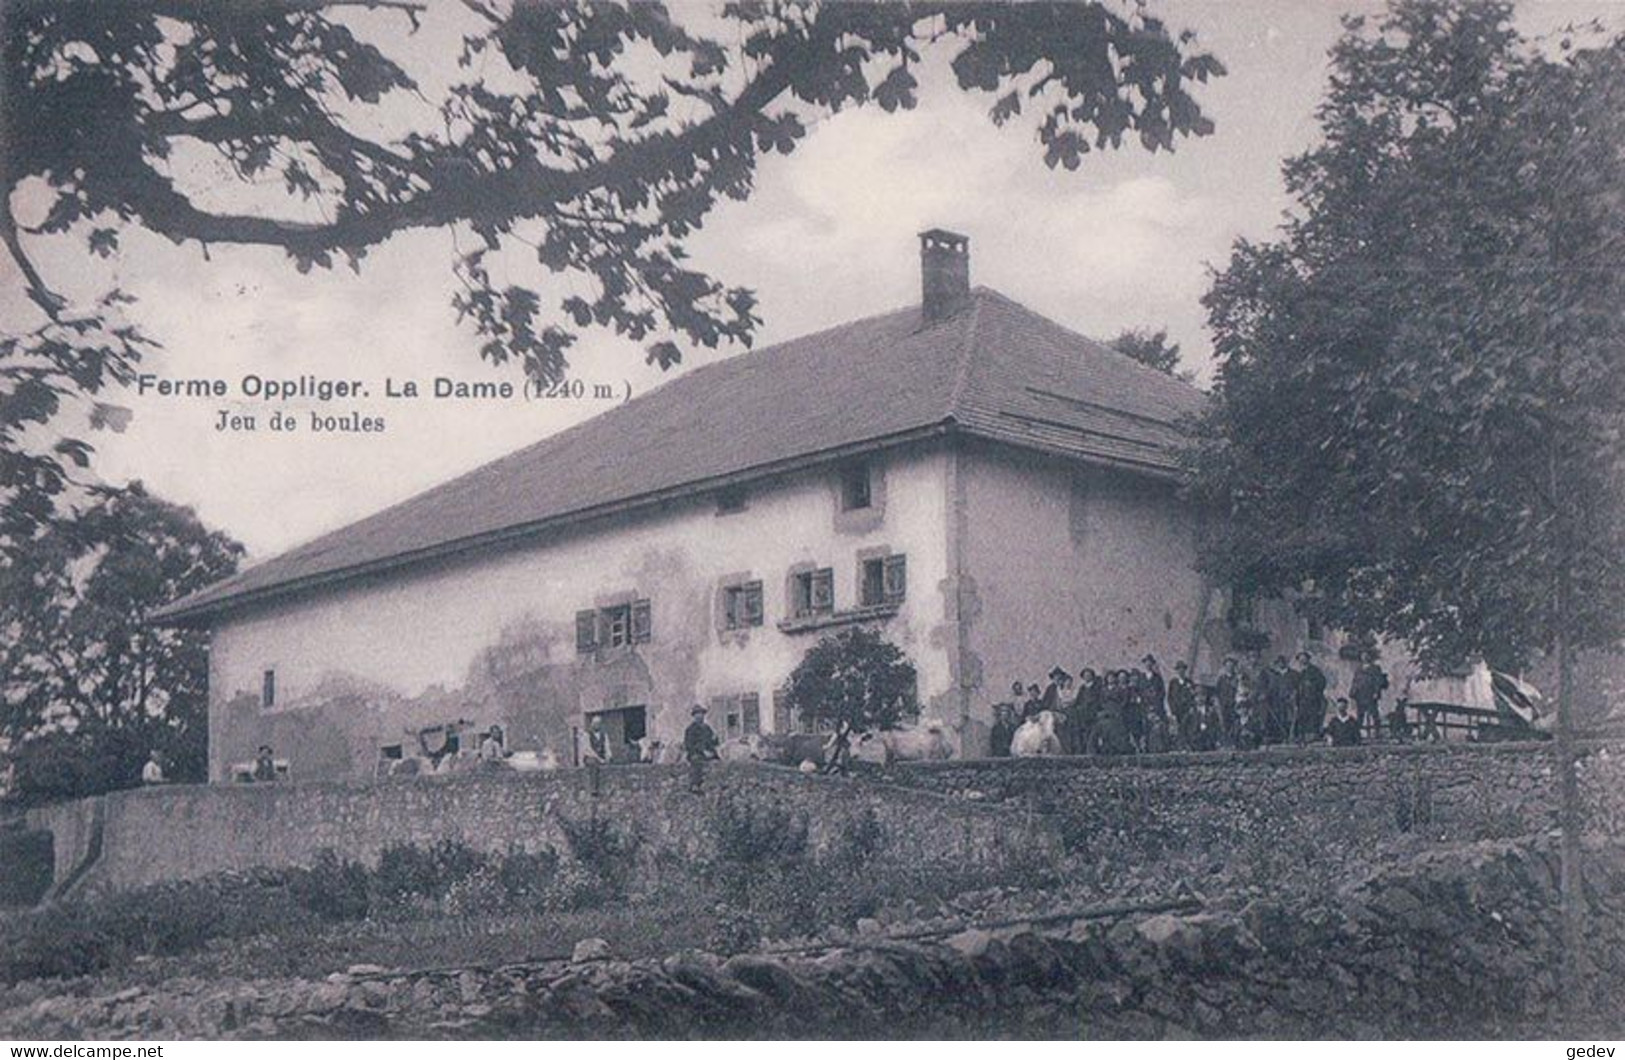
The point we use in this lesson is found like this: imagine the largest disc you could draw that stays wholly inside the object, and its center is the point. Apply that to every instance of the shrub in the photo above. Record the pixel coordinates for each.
(333, 888)
(407, 871)
(862, 837)
(752, 835)
(608, 853)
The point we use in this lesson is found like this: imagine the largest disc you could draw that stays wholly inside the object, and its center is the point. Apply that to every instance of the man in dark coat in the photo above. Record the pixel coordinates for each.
(1310, 686)
(1085, 712)
(1224, 697)
(1279, 688)
(1156, 687)
(1182, 705)
(1344, 729)
(1034, 703)
(1058, 701)
(1366, 690)
(699, 747)
(1004, 728)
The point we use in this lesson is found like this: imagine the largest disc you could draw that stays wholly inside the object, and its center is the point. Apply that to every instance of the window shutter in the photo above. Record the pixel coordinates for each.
(750, 712)
(641, 622)
(896, 577)
(752, 594)
(781, 712)
(730, 608)
(586, 630)
(823, 590)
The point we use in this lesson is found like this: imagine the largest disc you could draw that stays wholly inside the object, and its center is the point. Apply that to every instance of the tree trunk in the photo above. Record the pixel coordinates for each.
(1572, 981)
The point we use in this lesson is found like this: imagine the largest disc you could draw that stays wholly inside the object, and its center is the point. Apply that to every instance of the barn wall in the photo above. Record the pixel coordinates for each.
(492, 638)
(1071, 566)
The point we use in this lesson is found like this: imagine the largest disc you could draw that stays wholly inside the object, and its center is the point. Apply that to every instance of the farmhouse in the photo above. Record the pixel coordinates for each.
(991, 490)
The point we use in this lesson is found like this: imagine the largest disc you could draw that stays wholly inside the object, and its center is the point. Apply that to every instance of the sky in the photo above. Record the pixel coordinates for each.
(829, 235)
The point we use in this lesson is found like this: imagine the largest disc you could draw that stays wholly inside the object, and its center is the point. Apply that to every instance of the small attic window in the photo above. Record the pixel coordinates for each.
(855, 491)
(731, 500)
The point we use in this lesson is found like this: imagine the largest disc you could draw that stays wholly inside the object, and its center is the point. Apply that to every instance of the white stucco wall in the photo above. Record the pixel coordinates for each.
(491, 637)
(1072, 566)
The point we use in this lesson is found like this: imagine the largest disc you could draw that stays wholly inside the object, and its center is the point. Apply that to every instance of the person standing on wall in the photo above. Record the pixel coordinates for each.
(1225, 691)
(1182, 705)
(1366, 691)
(1310, 691)
(699, 747)
(1004, 729)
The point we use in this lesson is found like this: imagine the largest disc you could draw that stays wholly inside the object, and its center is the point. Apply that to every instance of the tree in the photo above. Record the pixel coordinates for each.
(1418, 399)
(576, 148)
(1419, 383)
(89, 688)
(1152, 349)
(857, 682)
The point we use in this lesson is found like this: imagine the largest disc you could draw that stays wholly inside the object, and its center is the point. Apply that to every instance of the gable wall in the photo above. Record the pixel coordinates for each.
(1071, 565)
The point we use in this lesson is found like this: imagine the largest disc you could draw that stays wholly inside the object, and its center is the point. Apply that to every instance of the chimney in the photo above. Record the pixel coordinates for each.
(944, 273)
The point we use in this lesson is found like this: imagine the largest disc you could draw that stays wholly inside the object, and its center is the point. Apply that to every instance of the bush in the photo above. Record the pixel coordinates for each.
(607, 853)
(333, 888)
(407, 871)
(752, 835)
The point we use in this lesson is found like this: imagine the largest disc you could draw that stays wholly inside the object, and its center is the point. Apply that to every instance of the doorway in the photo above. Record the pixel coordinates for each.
(624, 729)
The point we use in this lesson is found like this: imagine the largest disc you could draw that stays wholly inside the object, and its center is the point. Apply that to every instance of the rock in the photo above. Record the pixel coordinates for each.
(328, 996)
(868, 926)
(468, 987)
(593, 949)
(972, 942)
(365, 969)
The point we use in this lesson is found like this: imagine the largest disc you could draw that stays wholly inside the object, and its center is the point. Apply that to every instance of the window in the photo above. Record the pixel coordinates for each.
(613, 627)
(885, 581)
(742, 605)
(1317, 628)
(741, 715)
(814, 593)
(390, 752)
(268, 689)
(730, 500)
(855, 487)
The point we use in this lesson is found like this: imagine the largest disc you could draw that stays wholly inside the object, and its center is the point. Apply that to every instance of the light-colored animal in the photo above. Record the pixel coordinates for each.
(650, 750)
(741, 749)
(926, 743)
(869, 747)
(1036, 737)
(794, 748)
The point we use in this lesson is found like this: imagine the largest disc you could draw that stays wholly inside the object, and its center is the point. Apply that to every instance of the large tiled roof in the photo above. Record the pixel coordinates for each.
(994, 369)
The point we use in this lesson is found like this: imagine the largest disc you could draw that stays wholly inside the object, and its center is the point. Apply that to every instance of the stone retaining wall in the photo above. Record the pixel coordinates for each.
(181, 832)
(1338, 797)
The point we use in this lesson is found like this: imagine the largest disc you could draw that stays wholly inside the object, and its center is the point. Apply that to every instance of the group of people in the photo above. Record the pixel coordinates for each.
(1139, 711)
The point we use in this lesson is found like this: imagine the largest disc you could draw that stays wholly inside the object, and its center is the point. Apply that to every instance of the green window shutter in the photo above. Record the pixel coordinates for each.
(750, 712)
(642, 622)
(752, 594)
(782, 722)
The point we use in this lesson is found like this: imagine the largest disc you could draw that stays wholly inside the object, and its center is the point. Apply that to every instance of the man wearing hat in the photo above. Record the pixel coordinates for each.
(1182, 704)
(699, 747)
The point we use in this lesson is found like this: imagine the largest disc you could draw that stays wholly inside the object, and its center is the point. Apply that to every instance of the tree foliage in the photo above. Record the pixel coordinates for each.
(585, 140)
(856, 681)
(1152, 349)
(87, 687)
(1420, 382)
